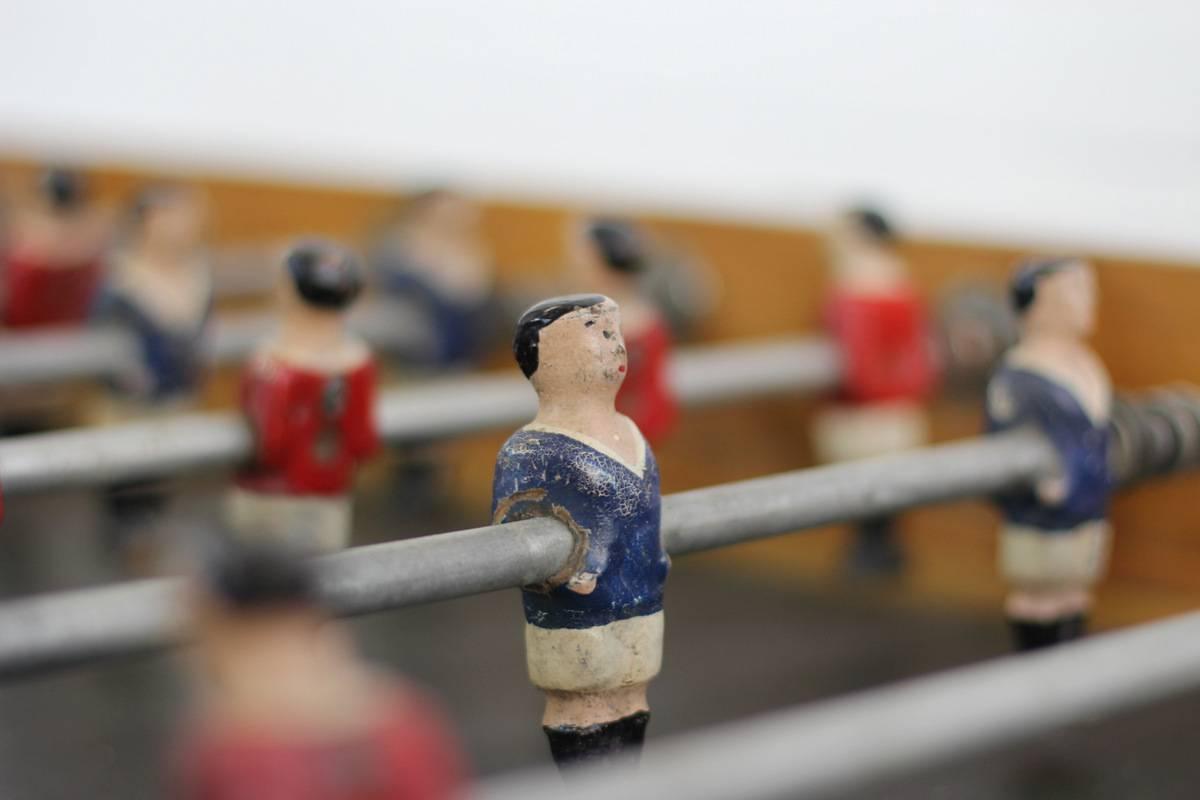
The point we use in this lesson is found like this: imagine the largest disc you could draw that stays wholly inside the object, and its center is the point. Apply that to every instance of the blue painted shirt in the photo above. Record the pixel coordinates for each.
(618, 509)
(460, 329)
(1019, 397)
(171, 358)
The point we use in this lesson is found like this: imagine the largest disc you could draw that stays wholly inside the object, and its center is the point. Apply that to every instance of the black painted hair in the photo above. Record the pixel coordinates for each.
(246, 578)
(619, 244)
(63, 189)
(1023, 288)
(529, 326)
(874, 224)
(325, 274)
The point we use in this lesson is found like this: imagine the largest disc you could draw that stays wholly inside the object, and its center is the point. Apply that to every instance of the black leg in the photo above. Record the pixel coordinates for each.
(597, 744)
(876, 550)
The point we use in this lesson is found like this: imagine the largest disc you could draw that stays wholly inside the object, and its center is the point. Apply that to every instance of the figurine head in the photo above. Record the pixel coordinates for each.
(246, 588)
(572, 344)
(442, 210)
(168, 218)
(861, 243)
(62, 190)
(608, 251)
(1055, 296)
(323, 275)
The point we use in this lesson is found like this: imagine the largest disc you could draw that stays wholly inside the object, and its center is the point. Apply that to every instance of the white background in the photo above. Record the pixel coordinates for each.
(1070, 122)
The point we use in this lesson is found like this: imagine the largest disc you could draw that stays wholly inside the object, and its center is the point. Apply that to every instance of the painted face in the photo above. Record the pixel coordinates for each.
(177, 223)
(1067, 299)
(586, 346)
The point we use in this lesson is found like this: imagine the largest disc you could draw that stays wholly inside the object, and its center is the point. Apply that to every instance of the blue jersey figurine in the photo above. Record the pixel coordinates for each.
(594, 634)
(1055, 539)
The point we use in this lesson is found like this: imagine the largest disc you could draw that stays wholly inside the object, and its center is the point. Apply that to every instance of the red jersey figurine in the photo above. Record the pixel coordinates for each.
(310, 396)
(51, 266)
(879, 324)
(288, 710)
(611, 256)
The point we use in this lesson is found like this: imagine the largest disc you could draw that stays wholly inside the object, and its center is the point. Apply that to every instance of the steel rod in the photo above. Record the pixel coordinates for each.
(433, 410)
(102, 352)
(59, 629)
(877, 735)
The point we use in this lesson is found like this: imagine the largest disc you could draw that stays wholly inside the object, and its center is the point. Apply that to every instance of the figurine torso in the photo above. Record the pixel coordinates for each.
(405, 754)
(1069, 403)
(170, 343)
(40, 295)
(541, 471)
(646, 395)
(312, 428)
(458, 314)
(884, 341)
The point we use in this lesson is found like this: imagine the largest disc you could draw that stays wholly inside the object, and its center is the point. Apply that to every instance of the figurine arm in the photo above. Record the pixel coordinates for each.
(363, 435)
(1028, 404)
(264, 400)
(523, 489)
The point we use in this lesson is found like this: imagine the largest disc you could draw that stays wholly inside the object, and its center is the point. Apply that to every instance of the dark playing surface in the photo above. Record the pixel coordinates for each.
(735, 646)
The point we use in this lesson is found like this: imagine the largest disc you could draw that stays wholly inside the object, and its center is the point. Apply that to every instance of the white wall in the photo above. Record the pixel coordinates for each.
(1072, 122)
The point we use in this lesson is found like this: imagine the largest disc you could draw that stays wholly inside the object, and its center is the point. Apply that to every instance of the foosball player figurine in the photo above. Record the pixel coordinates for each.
(51, 262)
(879, 323)
(1055, 539)
(594, 632)
(611, 257)
(287, 709)
(309, 395)
(159, 290)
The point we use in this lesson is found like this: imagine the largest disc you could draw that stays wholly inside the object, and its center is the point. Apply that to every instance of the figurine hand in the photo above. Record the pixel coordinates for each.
(582, 583)
(1052, 491)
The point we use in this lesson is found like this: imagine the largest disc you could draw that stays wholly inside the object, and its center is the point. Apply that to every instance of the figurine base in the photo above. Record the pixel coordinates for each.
(600, 743)
(1036, 635)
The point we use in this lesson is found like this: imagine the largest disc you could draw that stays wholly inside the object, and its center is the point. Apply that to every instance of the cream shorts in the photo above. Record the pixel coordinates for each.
(612, 656)
(312, 524)
(848, 433)
(1034, 559)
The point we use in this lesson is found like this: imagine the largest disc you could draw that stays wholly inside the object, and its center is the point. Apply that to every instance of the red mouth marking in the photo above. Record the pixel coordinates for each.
(621, 368)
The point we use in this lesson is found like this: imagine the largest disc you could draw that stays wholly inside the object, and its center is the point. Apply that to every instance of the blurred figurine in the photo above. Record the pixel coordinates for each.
(160, 290)
(594, 633)
(879, 324)
(1055, 540)
(289, 710)
(309, 394)
(611, 257)
(51, 261)
(434, 257)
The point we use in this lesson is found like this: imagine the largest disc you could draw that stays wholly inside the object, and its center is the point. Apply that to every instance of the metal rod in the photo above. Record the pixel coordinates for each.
(102, 352)
(58, 629)
(433, 410)
(880, 734)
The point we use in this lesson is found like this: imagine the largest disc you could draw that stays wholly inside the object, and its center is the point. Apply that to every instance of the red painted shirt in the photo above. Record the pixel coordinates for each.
(409, 754)
(646, 396)
(311, 428)
(885, 344)
(37, 295)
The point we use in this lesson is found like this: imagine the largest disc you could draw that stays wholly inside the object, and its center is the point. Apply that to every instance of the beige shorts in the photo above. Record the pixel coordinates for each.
(312, 524)
(848, 433)
(1033, 559)
(622, 653)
